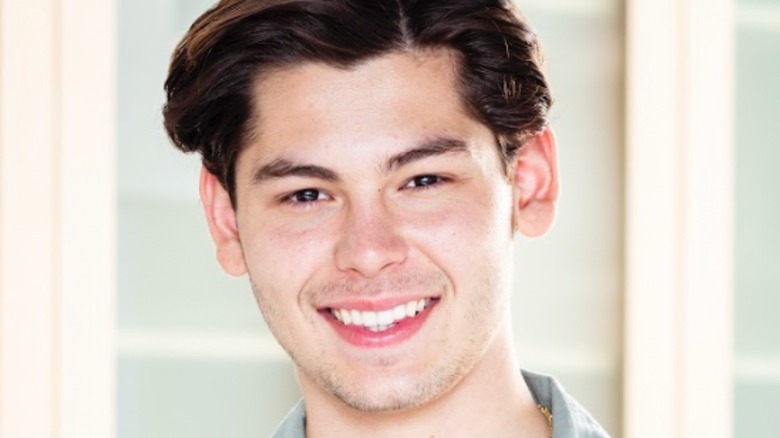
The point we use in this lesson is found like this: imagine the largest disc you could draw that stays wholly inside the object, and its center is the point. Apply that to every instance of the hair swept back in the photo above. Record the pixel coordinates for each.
(211, 80)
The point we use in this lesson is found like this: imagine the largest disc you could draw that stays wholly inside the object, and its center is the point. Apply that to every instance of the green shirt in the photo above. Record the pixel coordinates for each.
(570, 419)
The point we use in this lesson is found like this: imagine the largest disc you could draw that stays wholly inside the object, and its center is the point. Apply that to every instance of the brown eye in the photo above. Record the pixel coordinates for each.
(422, 181)
(306, 195)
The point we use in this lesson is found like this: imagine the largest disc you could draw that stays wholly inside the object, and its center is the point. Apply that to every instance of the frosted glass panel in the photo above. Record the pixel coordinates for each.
(757, 392)
(183, 397)
(195, 358)
(568, 299)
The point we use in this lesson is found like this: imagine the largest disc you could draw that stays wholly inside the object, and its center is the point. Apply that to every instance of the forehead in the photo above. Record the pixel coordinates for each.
(394, 95)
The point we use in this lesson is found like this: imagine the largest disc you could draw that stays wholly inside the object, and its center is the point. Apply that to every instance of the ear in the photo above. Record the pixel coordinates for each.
(535, 185)
(221, 218)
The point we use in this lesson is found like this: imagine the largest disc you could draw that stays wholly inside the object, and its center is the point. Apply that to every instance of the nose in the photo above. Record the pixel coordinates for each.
(370, 240)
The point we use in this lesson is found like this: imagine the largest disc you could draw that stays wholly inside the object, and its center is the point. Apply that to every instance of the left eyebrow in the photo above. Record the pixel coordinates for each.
(428, 148)
(283, 168)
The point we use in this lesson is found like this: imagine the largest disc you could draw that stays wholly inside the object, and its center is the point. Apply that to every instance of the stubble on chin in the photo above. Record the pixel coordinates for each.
(383, 391)
(404, 393)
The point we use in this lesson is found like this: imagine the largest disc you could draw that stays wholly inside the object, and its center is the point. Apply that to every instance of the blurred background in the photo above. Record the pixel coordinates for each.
(183, 350)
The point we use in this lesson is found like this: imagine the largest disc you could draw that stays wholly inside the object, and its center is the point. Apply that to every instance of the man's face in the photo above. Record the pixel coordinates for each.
(375, 223)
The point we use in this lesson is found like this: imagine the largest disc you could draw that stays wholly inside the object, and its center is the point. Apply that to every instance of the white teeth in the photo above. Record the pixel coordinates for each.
(379, 328)
(399, 312)
(369, 318)
(385, 317)
(411, 309)
(382, 320)
(357, 318)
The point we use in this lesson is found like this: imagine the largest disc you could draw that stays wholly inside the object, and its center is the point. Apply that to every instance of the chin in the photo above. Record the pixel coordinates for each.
(384, 401)
(383, 393)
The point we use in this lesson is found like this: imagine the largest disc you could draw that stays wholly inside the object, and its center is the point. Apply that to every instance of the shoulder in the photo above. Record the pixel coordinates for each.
(570, 419)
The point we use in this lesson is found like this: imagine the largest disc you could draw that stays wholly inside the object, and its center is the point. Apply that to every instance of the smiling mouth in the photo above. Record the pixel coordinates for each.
(379, 321)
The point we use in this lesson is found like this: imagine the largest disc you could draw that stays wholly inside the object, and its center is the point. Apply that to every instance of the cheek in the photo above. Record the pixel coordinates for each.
(464, 237)
(282, 258)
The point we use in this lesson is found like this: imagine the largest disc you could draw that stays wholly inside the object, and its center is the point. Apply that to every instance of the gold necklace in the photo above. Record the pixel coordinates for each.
(548, 415)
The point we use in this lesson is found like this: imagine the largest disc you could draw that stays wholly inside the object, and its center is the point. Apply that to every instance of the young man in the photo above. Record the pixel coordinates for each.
(368, 164)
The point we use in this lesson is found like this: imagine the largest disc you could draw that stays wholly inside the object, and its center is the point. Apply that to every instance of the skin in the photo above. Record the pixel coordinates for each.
(341, 201)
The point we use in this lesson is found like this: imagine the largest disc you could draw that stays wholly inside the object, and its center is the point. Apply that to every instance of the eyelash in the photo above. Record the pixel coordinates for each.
(292, 197)
(418, 181)
(437, 180)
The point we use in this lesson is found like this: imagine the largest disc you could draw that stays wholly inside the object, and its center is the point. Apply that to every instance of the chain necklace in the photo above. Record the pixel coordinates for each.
(548, 415)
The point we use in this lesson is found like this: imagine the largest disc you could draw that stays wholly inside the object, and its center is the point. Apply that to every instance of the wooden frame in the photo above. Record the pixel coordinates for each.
(57, 218)
(679, 219)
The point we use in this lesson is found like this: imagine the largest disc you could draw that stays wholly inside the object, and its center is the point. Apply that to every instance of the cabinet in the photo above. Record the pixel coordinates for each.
(195, 358)
(652, 299)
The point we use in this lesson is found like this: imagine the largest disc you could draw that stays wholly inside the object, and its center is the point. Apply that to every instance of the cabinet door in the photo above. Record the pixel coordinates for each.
(567, 303)
(195, 358)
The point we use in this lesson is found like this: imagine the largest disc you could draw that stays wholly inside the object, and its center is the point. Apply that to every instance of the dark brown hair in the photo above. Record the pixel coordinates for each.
(214, 69)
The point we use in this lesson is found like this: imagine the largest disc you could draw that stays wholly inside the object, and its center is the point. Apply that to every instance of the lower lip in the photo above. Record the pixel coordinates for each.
(360, 336)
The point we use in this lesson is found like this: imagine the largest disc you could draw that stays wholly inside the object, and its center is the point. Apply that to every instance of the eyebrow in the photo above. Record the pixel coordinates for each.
(282, 168)
(432, 147)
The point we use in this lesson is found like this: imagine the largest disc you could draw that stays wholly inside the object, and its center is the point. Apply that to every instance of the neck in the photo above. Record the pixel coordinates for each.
(491, 400)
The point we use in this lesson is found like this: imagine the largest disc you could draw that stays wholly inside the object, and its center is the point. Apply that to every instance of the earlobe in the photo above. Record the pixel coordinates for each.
(535, 185)
(221, 218)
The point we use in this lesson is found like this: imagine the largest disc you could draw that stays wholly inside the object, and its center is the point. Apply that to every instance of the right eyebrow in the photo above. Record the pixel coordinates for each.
(431, 147)
(282, 168)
